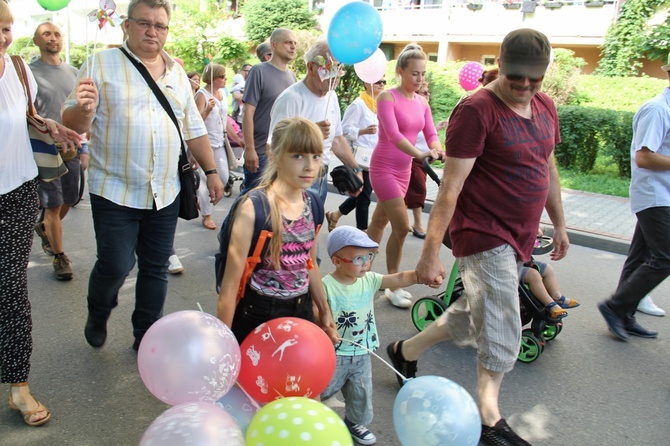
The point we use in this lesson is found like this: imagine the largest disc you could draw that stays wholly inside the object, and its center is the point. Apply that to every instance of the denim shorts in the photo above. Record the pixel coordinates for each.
(353, 376)
(489, 315)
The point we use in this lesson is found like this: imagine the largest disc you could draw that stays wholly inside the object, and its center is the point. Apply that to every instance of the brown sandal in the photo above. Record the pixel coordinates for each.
(332, 223)
(26, 414)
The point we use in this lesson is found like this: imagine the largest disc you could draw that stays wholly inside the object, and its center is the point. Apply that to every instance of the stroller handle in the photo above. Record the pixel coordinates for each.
(429, 170)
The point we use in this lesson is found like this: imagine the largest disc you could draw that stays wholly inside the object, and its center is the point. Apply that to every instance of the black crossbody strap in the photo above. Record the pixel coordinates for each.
(159, 94)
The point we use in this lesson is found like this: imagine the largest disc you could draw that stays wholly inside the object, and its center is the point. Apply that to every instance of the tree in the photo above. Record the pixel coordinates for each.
(263, 16)
(632, 38)
(194, 35)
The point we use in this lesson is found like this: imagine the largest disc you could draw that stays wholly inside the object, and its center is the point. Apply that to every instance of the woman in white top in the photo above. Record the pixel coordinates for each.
(359, 125)
(18, 213)
(212, 103)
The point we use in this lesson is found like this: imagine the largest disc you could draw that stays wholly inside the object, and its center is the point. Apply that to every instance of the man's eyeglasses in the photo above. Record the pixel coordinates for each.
(381, 82)
(146, 25)
(518, 77)
(359, 260)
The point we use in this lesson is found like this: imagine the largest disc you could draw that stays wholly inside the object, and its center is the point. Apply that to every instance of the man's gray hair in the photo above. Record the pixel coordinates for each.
(165, 4)
(262, 50)
(320, 48)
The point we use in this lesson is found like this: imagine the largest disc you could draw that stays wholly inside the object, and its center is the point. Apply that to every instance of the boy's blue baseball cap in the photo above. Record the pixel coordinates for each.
(343, 236)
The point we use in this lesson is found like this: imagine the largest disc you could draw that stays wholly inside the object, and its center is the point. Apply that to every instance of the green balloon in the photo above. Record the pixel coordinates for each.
(53, 5)
(297, 421)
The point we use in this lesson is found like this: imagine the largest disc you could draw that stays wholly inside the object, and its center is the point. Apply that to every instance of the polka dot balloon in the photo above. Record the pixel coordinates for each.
(468, 76)
(296, 421)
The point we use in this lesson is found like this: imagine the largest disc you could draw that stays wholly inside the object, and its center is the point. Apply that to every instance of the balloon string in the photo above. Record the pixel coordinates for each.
(378, 357)
(199, 307)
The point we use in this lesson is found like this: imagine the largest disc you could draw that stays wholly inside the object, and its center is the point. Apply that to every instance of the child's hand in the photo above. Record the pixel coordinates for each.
(332, 334)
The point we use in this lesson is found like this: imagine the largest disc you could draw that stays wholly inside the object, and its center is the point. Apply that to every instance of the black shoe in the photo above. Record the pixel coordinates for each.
(418, 234)
(501, 435)
(614, 322)
(406, 368)
(95, 332)
(636, 329)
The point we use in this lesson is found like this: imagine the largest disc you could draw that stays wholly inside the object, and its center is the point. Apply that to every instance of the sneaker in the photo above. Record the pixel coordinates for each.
(501, 435)
(62, 267)
(46, 246)
(174, 265)
(360, 433)
(647, 306)
(397, 298)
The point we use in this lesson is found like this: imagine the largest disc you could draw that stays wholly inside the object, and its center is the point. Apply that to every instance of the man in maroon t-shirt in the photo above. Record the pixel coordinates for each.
(499, 175)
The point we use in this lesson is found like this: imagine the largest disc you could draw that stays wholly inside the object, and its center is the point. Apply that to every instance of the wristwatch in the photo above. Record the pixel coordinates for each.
(357, 169)
(211, 172)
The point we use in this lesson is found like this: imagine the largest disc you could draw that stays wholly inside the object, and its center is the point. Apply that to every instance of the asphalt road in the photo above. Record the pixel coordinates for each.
(585, 389)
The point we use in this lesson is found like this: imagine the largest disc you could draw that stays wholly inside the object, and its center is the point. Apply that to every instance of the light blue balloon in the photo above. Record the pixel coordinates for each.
(238, 405)
(355, 32)
(432, 410)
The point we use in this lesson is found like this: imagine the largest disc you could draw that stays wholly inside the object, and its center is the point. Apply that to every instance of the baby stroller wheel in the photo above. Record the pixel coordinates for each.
(552, 331)
(531, 347)
(426, 310)
(228, 188)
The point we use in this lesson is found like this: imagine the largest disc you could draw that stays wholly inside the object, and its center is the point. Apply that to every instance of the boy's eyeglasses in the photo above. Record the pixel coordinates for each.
(359, 260)
(518, 77)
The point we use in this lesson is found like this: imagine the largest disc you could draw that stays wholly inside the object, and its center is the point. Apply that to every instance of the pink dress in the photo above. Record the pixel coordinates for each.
(390, 167)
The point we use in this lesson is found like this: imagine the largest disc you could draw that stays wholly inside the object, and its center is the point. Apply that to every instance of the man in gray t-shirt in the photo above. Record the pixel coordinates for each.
(265, 82)
(55, 80)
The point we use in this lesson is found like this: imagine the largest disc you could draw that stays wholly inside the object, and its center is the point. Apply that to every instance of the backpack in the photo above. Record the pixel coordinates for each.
(261, 235)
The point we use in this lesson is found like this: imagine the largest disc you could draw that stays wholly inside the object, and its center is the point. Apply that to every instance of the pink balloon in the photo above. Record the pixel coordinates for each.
(468, 76)
(373, 68)
(197, 423)
(189, 356)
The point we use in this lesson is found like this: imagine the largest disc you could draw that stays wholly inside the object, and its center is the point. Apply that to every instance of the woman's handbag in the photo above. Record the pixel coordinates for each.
(47, 157)
(345, 180)
(188, 197)
(233, 162)
(363, 156)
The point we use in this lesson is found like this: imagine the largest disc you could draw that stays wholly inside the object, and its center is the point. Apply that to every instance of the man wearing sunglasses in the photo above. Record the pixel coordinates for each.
(499, 174)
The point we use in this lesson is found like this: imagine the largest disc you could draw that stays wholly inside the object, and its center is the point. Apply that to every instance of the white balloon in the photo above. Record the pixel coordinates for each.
(373, 68)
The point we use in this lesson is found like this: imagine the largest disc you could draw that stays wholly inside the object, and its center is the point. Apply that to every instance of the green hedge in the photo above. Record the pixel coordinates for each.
(588, 132)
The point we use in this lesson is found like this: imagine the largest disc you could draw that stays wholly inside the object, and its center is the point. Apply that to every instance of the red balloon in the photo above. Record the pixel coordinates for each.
(286, 357)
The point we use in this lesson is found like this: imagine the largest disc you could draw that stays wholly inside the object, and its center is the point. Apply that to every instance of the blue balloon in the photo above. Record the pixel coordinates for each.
(355, 32)
(238, 405)
(432, 410)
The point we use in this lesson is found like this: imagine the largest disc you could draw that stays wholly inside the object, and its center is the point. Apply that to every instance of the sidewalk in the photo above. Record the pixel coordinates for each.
(593, 220)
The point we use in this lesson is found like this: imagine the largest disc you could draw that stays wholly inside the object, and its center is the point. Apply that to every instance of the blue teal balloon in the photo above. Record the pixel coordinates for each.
(432, 410)
(355, 32)
(53, 5)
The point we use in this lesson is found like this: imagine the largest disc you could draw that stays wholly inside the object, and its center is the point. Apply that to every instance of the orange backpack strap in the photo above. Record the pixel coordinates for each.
(252, 261)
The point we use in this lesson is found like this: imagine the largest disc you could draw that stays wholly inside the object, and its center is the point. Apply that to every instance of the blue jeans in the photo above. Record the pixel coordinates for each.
(252, 179)
(120, 234)
(353, 376)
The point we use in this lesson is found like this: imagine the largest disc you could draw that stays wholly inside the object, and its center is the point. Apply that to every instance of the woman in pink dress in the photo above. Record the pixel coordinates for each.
(402, 115)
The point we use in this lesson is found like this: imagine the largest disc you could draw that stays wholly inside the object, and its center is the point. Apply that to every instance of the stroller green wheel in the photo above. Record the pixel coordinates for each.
(551, 331)
(426, 310)
(531, 347)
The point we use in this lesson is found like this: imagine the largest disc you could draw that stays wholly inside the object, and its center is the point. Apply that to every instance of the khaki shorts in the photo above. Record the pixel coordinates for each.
(488, 314)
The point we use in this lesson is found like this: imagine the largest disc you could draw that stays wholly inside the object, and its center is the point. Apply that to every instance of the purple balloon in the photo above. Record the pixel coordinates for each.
(239, 405)
(189, 356)
(197, 423)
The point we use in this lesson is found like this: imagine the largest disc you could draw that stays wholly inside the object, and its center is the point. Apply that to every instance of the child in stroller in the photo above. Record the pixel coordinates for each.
(237, 144)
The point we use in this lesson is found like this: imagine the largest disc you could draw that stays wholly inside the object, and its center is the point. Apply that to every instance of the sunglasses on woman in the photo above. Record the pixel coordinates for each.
(381, 82)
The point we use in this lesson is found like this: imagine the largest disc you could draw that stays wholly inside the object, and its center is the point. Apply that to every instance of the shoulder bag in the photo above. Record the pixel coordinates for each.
(47, 157)
(188, 197)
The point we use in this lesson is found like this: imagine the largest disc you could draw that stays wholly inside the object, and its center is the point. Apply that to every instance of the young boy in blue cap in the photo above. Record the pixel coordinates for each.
(350, 291)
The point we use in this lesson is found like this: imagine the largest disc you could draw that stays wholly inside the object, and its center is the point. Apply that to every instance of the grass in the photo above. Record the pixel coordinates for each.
(604, 179)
